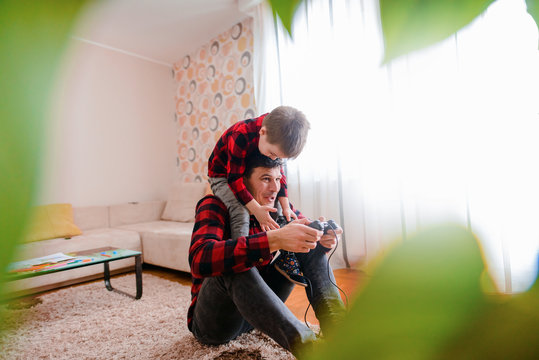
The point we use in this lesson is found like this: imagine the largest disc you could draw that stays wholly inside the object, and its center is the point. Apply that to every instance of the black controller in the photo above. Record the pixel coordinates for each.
(325, 226)
(281, 221)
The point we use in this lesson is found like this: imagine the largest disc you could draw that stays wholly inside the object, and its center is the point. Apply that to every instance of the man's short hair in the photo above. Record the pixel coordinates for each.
(256, 160)
(288, 128)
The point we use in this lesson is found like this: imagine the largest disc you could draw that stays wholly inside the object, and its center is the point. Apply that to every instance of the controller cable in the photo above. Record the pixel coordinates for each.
(329, 277)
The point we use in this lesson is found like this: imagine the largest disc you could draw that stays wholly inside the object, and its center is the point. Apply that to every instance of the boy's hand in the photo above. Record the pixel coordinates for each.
(289, 214)
(264, 219)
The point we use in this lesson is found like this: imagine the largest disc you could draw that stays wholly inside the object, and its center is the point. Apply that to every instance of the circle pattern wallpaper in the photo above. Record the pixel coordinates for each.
(215, 90)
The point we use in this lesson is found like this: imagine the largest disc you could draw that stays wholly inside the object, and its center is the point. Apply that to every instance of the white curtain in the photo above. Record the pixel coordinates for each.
(446, 134)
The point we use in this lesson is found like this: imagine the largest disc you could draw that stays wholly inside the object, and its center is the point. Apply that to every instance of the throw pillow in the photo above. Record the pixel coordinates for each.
(182, 202)
(50, 222)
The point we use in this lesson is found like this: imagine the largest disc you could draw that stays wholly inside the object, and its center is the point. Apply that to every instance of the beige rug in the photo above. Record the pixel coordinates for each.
(89, 322)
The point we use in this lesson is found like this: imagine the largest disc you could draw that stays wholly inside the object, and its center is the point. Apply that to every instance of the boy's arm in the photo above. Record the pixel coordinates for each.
(262, 215)
(287, 211)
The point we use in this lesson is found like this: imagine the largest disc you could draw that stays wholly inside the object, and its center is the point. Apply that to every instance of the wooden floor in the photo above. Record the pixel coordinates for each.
(347, 279)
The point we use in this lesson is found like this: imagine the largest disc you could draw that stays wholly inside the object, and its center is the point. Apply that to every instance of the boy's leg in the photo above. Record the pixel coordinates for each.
(239, 215)
(322, 294)
(228, 305)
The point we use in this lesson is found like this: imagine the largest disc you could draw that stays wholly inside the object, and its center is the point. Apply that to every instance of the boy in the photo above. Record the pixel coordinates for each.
(280, 134)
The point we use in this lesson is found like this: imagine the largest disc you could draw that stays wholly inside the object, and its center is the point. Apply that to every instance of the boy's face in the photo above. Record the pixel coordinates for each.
(270, 150)
(264, 184)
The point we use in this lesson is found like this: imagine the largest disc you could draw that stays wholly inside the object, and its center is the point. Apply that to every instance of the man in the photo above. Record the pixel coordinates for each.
(234, 288)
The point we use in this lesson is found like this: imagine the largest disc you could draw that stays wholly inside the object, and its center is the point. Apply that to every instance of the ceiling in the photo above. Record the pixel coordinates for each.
(160, 30)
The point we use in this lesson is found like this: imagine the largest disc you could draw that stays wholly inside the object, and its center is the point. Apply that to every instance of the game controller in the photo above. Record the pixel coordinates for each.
(325, 226)
(281, 221)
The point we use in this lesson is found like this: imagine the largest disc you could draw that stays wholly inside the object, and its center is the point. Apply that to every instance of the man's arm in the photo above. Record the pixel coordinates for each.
(294, 237)
(210, 254)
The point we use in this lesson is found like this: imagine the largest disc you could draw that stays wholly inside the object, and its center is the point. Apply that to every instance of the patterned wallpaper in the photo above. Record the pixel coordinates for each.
(215, 90)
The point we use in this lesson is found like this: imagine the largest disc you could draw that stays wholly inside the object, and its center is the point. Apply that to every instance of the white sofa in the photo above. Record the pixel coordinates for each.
(164, 242)
(136, 226)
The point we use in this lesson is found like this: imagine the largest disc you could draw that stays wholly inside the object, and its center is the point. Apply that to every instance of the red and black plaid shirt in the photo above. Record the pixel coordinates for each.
(229, 154)
(213, 253)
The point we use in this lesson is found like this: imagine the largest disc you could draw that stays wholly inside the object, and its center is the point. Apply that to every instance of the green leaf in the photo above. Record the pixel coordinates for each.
(533, 10)
(506, 329)
(32, 39)
(286, 10)
(410, 25)
(423, 293)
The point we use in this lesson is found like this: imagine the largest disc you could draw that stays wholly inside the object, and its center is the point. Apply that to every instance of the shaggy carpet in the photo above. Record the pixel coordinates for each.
(89, 322)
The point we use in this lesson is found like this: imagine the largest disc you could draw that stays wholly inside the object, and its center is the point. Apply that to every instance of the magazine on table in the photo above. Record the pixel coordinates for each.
(39, 263)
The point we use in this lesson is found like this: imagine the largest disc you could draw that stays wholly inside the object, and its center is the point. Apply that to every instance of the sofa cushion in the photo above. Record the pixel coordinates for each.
(165, 243)
(51, 221)
(182, 201)
(135, 212)
(91, 217)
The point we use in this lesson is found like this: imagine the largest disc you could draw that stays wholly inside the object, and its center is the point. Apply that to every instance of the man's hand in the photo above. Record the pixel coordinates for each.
(289, 214)
(328, 240)
(295, 237)
(264, 218)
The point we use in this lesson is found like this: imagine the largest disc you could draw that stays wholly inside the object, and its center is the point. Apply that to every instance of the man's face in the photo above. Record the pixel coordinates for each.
(264, 184)
(268, 149)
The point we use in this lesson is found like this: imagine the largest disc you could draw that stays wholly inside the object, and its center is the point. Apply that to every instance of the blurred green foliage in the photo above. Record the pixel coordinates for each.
(533, 9)
(414, 24)
(285, 9)
(425, 301)
(33, 36)
(409, 25)
(507, 328)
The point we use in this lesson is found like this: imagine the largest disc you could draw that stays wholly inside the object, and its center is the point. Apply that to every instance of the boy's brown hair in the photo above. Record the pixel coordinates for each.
(287, 127)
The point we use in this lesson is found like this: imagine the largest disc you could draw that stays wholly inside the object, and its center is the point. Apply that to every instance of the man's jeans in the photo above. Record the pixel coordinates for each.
(230, 305)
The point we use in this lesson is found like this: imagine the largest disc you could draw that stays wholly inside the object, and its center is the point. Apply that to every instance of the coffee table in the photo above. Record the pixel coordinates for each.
(73, 260)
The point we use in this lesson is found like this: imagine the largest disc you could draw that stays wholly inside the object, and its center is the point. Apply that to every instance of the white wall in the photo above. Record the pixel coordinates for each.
(112, 135)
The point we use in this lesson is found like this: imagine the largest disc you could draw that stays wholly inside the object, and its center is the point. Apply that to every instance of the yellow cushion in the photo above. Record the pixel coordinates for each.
(50, 222)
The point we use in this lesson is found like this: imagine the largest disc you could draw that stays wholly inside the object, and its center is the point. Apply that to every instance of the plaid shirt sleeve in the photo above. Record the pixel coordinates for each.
(212, 254)
(283, 192)
(238, 150)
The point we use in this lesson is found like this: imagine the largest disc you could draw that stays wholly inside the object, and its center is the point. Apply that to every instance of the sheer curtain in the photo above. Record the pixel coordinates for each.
(446, 134)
